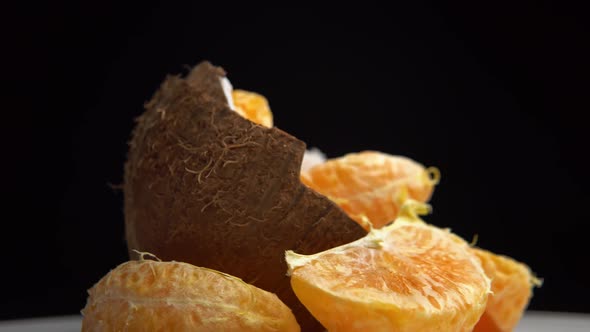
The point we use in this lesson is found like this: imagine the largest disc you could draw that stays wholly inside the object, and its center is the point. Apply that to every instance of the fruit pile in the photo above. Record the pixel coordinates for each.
(228, 232)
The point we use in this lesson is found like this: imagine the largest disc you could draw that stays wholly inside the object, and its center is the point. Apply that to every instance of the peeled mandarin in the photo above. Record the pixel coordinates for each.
(512, 284)
(253, 107)
(407, 276)
(371, 186)
(148, 295)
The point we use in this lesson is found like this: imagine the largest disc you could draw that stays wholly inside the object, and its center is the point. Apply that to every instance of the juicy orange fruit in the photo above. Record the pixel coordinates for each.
(253, 107)
(512, 284)
(170, 296)
(511, 281)
(407, 276)
(371, 186)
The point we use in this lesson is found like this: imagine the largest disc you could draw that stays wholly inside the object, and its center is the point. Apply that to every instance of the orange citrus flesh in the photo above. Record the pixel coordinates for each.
(147, 295)
(371, 186)
(342, 178)
(253, 107)
(512, 284)
(407, 276)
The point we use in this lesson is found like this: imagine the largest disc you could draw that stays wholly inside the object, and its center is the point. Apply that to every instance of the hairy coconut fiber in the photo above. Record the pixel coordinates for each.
(205, 186)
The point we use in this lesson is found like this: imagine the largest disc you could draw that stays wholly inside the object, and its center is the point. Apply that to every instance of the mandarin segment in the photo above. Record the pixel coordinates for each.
(371, 186)
(407, 276)
(512, 284)
(147, 295)
(253, 107)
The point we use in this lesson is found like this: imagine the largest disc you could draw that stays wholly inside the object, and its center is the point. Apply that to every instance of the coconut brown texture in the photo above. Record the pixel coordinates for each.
(205, 186)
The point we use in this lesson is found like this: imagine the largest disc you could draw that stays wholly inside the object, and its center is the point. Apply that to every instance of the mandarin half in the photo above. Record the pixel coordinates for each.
(512, 284)
(148, 295)
(371, 186)
(407, 276)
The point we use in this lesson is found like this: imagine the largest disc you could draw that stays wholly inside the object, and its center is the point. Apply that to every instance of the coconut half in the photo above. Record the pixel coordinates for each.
(205, 186)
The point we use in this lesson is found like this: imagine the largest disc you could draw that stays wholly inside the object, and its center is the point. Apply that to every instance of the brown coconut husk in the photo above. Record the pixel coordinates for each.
(206, 186)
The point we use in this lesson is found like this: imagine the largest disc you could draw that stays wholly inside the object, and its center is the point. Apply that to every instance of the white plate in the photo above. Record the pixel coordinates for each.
(554, 321)
(533, 321)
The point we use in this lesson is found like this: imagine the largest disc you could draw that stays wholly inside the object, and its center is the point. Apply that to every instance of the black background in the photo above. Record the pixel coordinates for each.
(493, 95)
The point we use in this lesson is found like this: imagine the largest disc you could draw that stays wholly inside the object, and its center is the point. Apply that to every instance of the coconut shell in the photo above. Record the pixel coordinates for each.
(206, 186)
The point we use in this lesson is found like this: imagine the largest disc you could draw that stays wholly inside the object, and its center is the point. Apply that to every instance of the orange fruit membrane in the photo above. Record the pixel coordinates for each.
(253, 107)
(512, 284)
(407, 276)
(371, 186)
(148, 295)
